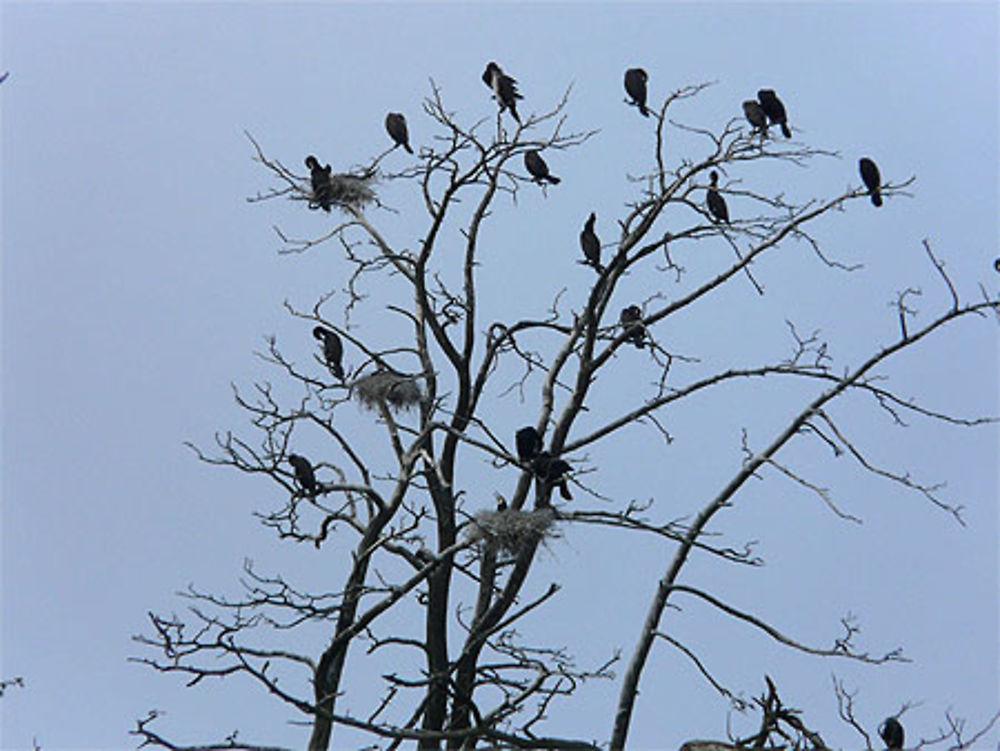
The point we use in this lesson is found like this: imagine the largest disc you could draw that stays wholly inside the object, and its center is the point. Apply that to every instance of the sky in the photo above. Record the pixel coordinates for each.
(138, 282)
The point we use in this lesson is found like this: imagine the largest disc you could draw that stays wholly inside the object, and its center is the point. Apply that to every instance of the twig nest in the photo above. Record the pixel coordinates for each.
(512, 531)
(401, 392)
(351, 190)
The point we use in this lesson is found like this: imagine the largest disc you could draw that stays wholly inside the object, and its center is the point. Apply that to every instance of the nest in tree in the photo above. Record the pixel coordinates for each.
(391, 389)
(351, 190)
(512, 531)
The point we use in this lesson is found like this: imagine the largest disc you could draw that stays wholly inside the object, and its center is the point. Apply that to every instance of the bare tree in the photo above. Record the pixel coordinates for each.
(409, 520)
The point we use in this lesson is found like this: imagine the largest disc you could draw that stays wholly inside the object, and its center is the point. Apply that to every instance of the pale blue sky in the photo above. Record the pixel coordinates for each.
(137, 282)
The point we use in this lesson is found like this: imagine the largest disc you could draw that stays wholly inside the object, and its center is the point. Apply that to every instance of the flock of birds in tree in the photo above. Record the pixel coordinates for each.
(764, 111)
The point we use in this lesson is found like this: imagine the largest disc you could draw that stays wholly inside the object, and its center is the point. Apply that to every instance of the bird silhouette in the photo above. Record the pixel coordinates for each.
(552, 472)
(892, 733)
(590, 243)
(321, 187)
(716, 203)
(635, 87)
(333, 350)
(756, 115)
(303, 473)
(504, 88)
(528, 442)
(395, 125)
(539, 170)
(871, 179)
(774, 109)
(631, 321)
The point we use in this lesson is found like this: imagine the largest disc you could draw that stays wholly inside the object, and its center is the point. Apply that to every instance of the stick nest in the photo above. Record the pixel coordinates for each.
(401, 392)
(512, 531)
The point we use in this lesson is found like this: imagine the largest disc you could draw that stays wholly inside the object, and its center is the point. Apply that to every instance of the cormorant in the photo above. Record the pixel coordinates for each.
(996, 264)
(553, 472)
(501, 503)
(635, 331)
(395, 124)
(591, 243)
(635, 87)
(303, 473)
(892, 733)
(716, 203)
(504, 89)
(529, 443)
(333, 350)
(539, 170)
(774, 109)
(756, 115)
(320, 177)
(871, 179)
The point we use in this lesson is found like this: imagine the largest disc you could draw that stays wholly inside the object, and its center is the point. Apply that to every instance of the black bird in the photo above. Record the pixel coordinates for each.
(333, 350)
(591, 243)
(303, 473)
(716, 203)
(871, 179)
(501, 503)
(529, 443)
(395, 124)
(635, 87)
(539, 170)
(504, 89)
(774, 109)
(635, 331)
(996, 264)
(552, 472)
(320, 177)
(756, 115)
(892, 733)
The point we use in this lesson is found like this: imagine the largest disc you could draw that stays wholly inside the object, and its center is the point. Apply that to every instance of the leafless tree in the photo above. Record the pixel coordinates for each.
(409, 521)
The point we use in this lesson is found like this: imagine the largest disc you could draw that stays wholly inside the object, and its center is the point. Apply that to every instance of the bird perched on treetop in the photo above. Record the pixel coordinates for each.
(631, 321)
(504, 89)
(756, 115)
(590, 243)
(395, 124)
(529, 443)
(552, 472)
(871, 179)
(303, 473)
(539, 170)
(774, 109)
(635, 87)
(716, 203)
(333, 350)
(320, 179)
(892, 733)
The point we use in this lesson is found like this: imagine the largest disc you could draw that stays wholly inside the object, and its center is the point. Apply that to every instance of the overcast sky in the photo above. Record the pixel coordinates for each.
(138, 282)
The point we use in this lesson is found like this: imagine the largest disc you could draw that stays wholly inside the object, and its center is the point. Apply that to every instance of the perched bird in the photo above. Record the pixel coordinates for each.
(716, 203)
(321, 187)
(552, 472)
(529, 443)
(591, 243)
(756, 115)
(635, 331)
(333, 350)
(501, 503)
(504, 89)
(635, 87)
(303, 473)
(539, 170)
(871, 179)
(996, 264)
(892, 733)
(395, 124)
(774, 109)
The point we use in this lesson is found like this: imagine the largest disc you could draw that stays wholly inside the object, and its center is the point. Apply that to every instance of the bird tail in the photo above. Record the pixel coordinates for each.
(408, 149)
(643, 110)
(785, 130)
(513, 111)
(564, 491)
(876, 198)
(554, 180)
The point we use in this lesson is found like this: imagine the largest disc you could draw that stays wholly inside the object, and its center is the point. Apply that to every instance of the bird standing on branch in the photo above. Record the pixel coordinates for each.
(539, 170)
(395, 124)
(321, 187)
(774, 109)
(871, 178)
(333, 350)
(552, 472)
(635, 87)
(504, 89)
(716, 203)
(892, 733)
(756, 115)
(631, 321)
(590, 243)
(529, 443)
(303, 473)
